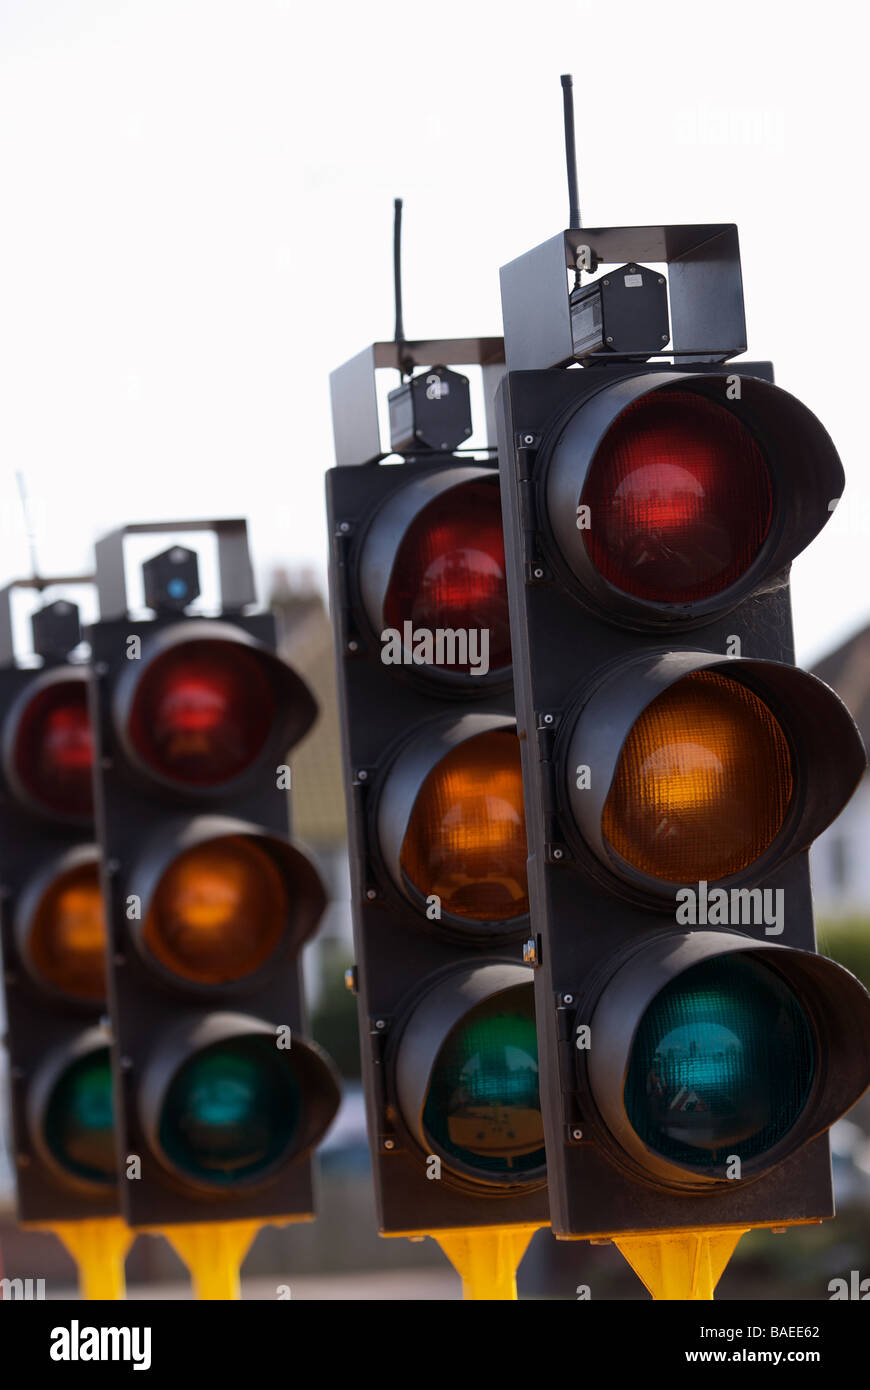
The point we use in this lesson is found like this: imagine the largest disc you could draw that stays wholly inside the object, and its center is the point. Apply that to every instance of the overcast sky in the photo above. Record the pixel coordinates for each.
(196, 218)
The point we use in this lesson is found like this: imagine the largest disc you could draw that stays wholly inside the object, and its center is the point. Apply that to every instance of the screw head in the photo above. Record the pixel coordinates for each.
(344, 527)
(389, 1144)
(353, 645)
(610, 340)
(548, 718)
(538, 573)
(558, 854)
(664, 337)
(567, 999)
(379, 1023)
(362, 775)
(576, 1134)
(528, 439)
(606, 282)
(371, 893)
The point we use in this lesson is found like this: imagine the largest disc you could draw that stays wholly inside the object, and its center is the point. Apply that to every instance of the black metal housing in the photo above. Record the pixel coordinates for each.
(431, 411)
(139, 817)
(44, 1028)
(579, 653)
(388, 714)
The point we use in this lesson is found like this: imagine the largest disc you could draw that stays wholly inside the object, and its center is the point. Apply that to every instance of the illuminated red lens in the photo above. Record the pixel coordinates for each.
(202, 713)
(449, 573)
(679, 498)
(54, 750)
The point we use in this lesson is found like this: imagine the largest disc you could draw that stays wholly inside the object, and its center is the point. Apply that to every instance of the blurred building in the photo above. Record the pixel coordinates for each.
(318, 811)
(840, 858)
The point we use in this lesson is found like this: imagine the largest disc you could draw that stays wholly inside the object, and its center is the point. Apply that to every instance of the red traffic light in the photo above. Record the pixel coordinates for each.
(670, 496)
(48, 747)
(207, 703)
(680, 499)
(433, 561)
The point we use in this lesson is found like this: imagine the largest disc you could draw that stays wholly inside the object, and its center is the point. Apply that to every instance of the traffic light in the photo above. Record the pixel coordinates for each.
(221, 1097)
(53, 929)
(676, 764)
(435, 804)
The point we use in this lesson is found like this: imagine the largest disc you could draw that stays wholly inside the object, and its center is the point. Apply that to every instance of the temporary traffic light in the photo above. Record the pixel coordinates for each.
(435, 803)
(53, 929)
(221, 1098)
(676, 764)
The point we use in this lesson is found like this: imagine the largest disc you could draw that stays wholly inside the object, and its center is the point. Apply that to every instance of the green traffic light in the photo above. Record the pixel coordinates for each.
(79, 1119)
(482, 1106)
(231, 1111)
(721, 1065)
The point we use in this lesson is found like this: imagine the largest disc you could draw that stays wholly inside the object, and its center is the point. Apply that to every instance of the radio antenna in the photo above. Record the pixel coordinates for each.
(405, 362)
(574, 222)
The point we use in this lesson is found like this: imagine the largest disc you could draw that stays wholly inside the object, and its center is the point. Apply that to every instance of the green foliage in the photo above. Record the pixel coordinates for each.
(847, 940)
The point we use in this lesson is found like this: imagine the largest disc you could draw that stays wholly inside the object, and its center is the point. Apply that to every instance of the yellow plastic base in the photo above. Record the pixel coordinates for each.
(213, 1252)
(99, 1247)
(487, 1258)
(680, 1264)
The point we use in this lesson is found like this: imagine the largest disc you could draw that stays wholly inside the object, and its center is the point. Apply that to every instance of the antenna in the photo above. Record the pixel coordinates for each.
(405, 362)
(574, 222)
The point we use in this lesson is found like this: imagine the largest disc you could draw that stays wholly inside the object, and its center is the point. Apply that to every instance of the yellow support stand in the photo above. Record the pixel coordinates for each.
(683, 1265)
(213, 1252)
(487, 1258)
(99, 1247)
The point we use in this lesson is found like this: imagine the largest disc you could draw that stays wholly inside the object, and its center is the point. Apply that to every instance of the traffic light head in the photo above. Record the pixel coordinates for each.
(221, 1096)
(53, 930)
(436, 817)
(676, 764)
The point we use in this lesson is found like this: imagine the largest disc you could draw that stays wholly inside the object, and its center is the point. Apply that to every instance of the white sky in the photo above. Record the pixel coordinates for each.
(195, 223)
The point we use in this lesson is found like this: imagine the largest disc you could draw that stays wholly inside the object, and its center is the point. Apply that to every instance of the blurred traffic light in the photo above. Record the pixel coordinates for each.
(221, 1096)
(53, 929)
(435, 802)
(676, 764)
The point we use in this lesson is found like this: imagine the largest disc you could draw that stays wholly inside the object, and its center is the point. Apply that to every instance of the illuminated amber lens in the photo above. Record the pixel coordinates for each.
(218, 913)
(466, 839)
(703, 782)
(68, 937)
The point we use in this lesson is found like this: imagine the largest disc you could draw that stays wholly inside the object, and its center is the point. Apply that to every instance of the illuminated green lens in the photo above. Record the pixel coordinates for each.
(78, 1119)
(482, 1106)
(231, 1111)
(721, 1066)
